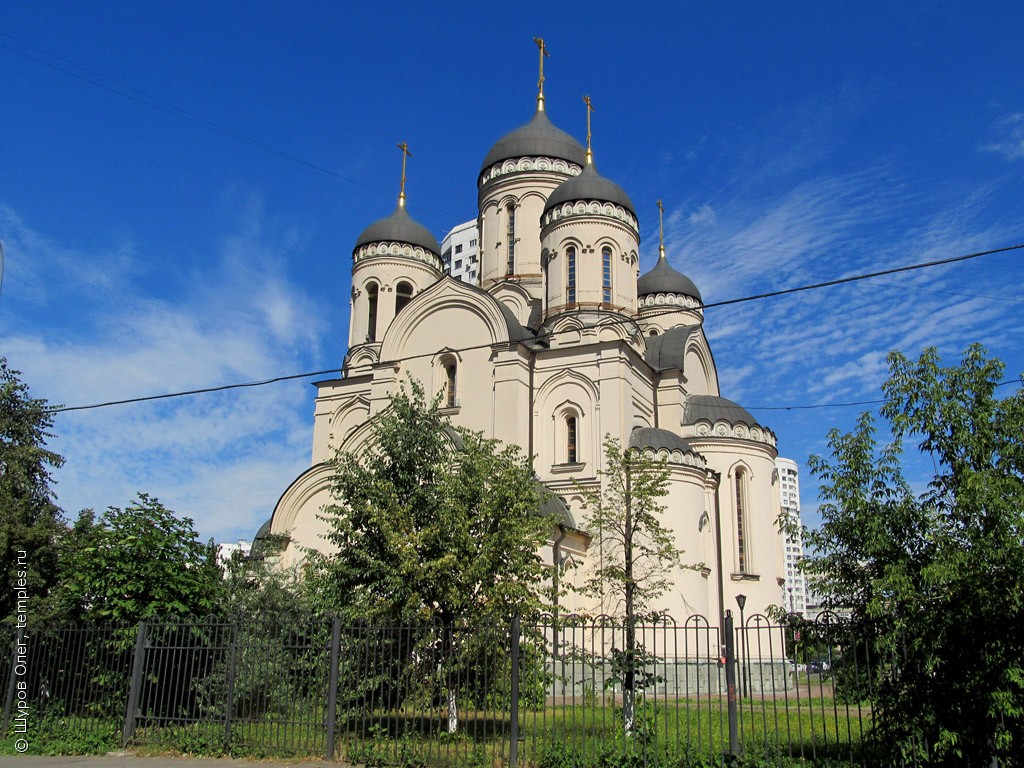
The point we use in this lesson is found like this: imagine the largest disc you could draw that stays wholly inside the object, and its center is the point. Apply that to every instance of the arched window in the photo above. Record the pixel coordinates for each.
(742, 555)
(570, 261)
(511, 233)
(606, 275)
(371, 313)
(571, 455)
(452, 371)
(403, 295)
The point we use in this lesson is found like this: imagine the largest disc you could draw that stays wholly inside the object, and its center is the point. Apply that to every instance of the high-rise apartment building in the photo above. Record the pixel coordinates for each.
(794, 590)
(460, 253)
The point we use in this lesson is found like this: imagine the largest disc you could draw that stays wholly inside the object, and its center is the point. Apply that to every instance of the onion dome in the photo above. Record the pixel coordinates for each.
(589, 185)
(399, 227)
(664, 279)
(538, 138)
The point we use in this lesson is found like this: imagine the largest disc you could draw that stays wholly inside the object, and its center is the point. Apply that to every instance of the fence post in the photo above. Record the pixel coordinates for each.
(138, 668)
(19, 641)
(730, 684)
(332, 690)
(513, 746)
(232, 669)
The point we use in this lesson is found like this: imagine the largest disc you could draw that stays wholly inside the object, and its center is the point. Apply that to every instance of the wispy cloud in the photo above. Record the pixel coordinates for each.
(221, 459)
(1010, 143)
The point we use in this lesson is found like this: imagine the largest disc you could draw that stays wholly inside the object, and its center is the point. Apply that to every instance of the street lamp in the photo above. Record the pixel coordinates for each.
(741, 601)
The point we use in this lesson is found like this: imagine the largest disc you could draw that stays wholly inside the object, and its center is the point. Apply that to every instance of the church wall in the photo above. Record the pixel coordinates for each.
(691, 591)
(753, 465)
(342, 406)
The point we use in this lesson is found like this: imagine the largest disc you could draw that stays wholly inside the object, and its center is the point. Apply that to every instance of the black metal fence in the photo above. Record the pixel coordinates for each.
(558, 691)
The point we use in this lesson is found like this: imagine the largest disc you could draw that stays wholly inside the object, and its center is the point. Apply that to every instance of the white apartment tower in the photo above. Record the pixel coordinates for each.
(460, 253)
(794, 590)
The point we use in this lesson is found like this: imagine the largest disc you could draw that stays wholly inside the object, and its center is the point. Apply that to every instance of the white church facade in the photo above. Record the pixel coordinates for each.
(563, 342)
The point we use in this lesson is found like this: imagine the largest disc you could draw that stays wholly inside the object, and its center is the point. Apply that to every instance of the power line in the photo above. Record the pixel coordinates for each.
(203, 391)
(865, 276)
(609, 322)
(835, 405)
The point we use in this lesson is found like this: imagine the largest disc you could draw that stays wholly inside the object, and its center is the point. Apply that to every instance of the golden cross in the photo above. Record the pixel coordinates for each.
(590, 108)
(405, 154)
(661, 225)
(543, 55)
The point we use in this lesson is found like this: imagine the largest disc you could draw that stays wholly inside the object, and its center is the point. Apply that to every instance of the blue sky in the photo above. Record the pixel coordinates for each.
(181, 184)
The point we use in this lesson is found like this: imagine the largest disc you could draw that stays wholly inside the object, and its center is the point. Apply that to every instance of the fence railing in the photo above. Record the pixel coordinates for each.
(558, 690)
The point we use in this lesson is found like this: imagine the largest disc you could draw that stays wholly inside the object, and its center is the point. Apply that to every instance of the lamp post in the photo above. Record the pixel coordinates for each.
(741, 601)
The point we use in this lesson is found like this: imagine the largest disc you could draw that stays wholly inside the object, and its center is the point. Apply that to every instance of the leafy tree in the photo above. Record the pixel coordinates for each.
(934, 580)
(140, 562)
(259, 591)
(428, 532)
(431, 535)
(633, 553)
(30, 521)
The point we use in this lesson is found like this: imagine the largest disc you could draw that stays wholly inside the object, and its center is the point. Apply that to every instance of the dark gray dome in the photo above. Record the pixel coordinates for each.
(399, 227)
(554, 506)
(652, 437)
(712, 408)
(589, 185)
(664, 279)
(538, 138)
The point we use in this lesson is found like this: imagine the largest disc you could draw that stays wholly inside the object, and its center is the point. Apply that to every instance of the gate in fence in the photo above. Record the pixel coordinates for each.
(518, 694)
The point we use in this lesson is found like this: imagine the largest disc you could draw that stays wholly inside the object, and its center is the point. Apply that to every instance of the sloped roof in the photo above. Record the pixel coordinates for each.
(666, 352)
(554, 506)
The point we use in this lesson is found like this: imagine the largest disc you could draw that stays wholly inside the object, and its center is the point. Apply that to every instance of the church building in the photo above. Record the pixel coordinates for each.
(563, 342)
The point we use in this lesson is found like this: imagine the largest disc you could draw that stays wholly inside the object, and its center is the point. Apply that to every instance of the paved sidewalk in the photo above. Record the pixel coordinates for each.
(126, 760)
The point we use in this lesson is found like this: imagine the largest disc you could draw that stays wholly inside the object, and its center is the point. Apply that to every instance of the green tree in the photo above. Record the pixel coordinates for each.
(137, 563)
(432, 526)
(30, 521)
(426, 531)
(632, 555)
(934, 580)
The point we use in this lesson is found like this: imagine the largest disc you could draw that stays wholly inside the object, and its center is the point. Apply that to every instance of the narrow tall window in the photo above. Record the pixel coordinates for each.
(371, 315)
(741, 514)
(570, 261)
(606, 275)
(570, 439)
(403, 295)
(511, 269)
(452, 371)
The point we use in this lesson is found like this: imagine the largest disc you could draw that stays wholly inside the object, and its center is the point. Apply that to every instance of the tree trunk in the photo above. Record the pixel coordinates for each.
(453, 713)
(629, 676)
